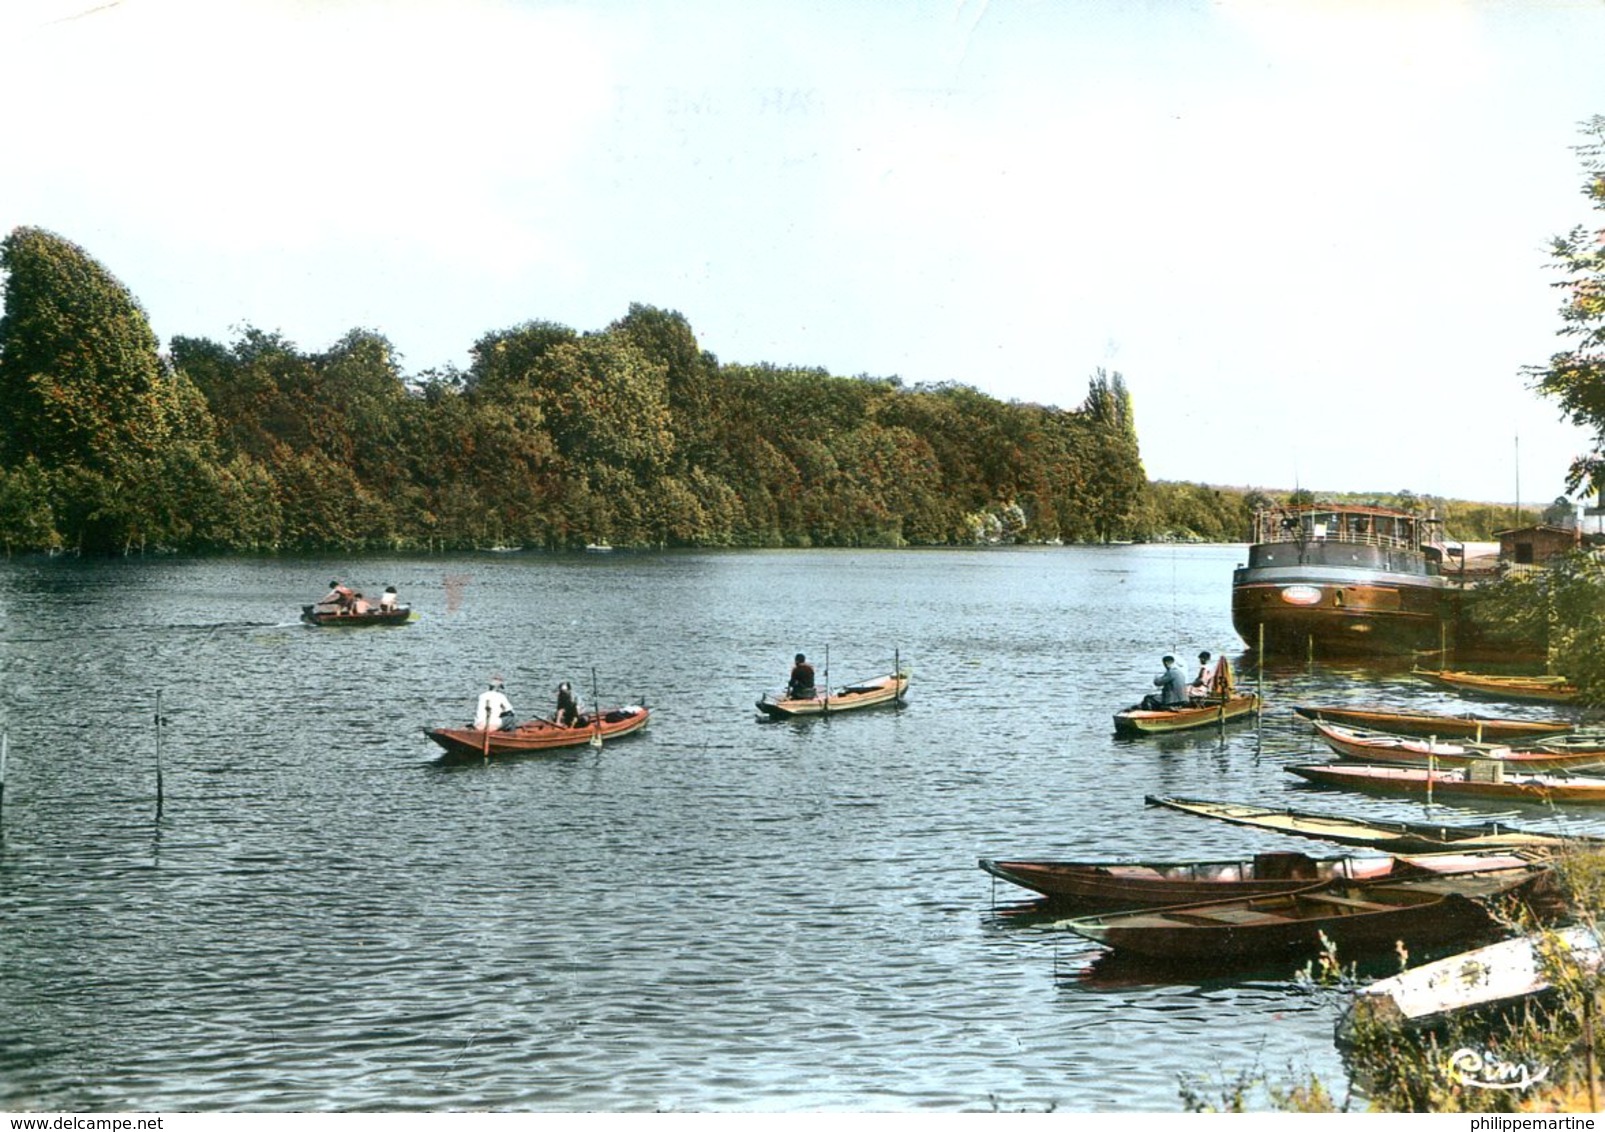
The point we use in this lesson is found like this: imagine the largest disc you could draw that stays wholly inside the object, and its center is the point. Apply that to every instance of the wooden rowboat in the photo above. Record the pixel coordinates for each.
(465, 743)
(1467, 783)
(1358, 918)
(1391, 836)
(1096, 886)
(1136, 721)
(876, 692)
(1422, 724)
(1503, 972)
(1398, 750)
(333, 617)
(1542, 689)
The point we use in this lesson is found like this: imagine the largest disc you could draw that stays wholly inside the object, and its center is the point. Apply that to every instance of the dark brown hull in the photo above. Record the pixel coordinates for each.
(1359, 919)
(312, 615)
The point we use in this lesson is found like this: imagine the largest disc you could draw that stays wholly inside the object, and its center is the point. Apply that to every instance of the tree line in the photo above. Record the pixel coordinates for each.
(632, 435)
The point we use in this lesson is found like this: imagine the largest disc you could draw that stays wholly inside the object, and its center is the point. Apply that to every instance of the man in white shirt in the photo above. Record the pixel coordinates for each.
(495, 712)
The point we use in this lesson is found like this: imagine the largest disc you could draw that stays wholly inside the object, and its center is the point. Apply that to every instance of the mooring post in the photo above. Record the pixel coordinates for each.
(159, 722)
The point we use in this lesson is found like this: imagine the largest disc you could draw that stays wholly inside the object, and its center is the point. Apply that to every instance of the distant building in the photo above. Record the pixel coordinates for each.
(1533, 546)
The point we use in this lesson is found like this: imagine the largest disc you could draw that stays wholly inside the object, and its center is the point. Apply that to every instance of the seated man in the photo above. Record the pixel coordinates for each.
(1203, 685)
(801, 684)
(1172, 685)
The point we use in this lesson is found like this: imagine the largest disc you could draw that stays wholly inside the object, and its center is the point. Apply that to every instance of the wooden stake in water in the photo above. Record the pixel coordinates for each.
(159, 722)
(5, 741)
(596, 713)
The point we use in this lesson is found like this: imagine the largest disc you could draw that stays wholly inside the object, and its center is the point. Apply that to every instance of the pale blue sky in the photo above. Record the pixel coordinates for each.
(1312, 236)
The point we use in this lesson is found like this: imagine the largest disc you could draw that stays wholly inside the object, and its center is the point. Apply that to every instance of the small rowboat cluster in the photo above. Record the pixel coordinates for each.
(1418, 888)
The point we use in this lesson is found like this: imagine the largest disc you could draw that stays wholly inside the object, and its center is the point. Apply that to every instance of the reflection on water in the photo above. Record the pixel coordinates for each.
(713, 914)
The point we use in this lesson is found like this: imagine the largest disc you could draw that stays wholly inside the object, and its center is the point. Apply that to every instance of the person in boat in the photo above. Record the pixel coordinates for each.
(1203, 684)
(1172, 685)
(359, 604)
(495, 711)
(339, 597)
(568, 713)
(388, 599)
(800, 686)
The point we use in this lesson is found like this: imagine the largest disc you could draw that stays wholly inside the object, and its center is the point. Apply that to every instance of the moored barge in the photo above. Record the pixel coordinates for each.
(1345, 580)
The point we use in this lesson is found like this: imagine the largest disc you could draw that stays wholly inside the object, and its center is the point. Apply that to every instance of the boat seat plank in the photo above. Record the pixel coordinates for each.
(1348, 901)
(1229, 916)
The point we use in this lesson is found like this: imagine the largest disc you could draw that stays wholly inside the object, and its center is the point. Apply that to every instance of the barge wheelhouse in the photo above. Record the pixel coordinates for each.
(1336, 579)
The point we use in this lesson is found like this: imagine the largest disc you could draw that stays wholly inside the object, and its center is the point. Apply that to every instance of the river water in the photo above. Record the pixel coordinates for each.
(718, 914)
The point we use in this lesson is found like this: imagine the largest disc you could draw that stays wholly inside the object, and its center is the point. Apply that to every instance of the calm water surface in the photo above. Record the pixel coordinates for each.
(717, 914)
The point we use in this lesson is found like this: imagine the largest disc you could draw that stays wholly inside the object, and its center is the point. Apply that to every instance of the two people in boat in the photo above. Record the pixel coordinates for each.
(1174, 690)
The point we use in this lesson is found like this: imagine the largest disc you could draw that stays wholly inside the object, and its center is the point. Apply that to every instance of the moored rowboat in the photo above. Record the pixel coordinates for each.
(461, 743)
(1467, 783)
(1358, 918)
(1392, 836)
(1425, 725)
(876, 692)
(1502, 972)
(1542, 689)
(1399, 750)
(1114, 886)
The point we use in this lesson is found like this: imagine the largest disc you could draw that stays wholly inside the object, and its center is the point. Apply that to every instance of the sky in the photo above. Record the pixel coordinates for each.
(1311, 236)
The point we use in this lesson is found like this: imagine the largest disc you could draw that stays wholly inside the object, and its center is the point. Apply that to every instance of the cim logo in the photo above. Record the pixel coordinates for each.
(1301, 595)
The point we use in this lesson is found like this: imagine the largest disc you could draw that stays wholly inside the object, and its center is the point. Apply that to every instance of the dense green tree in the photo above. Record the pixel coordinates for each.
(1575, 377)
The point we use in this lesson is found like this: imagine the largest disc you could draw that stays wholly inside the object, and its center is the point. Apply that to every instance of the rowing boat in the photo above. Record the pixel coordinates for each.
(1391, 836)
(876, 692)
(1356, 918)
(333, 617)
(1542, 689)
(1470, 782)
(1503, 972)
(1422, 724)
(1163, 721)
(1398, 750)
(1094, 886)
(463, 743)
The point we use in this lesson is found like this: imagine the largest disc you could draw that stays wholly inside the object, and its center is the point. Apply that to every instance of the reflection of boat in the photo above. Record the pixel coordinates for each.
(1395, 837)
(1503, 972)
(1429, 724)
(538, 735)
(1479, 780)
(1110, 885)
(1341, 579)
(330, 615)
(1357, 918)
(1543, 689)
(1401, 750)
(888, 689)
